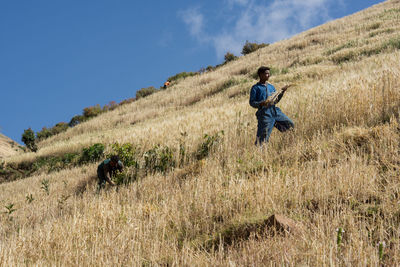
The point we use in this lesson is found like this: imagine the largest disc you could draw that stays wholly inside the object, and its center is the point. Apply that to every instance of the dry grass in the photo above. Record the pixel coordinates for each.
(338, 168)
(8, 147)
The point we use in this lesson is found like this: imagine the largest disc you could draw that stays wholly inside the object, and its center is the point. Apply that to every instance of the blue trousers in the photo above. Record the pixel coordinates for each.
(266, 122)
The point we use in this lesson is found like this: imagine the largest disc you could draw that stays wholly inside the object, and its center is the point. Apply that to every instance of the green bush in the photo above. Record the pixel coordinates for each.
(251, 47)
(92, 111)
(92, 154)
(59, 128)
(28, 137)
(43, 134)
(159, 159)
(127, 101)
(181, 75)
(127, 154)
(125, 177)
(145, 92)
(56, 129)
(229, 57)
(392, 43)
(77, 120)
(209, 142)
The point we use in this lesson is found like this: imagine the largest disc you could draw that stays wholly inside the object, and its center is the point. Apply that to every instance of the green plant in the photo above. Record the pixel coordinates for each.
(251, 47)
(28, 137)
(381, 246)
(45, 186)
(159, 159)
(29, 198)
(92, 153)
(181, 75)
(123, 178)
(43, 134)
(92, 111)
(229, 57)
(208, 143)
(145, 92)
(339, 236)
(126, 152)
(77, 120)
(10, 208)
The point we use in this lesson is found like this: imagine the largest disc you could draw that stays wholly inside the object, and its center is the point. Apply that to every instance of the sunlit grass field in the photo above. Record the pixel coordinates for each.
(339, 168)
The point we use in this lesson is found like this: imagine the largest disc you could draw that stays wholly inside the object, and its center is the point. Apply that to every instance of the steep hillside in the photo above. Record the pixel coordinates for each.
(198, 192)
(7, 147)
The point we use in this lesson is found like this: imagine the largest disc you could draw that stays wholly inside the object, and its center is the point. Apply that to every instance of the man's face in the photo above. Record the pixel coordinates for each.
(113, 163)
(264, 76)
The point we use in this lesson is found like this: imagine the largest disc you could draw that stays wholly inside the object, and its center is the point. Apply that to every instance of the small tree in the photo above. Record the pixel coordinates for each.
(28, 137)
(76, 120)
(92, 111)
(229, 57)
(251, 47)
(145, 92)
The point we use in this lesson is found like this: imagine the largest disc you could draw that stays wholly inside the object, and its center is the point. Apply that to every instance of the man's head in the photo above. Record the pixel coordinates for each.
(263, 73)
(114, 160)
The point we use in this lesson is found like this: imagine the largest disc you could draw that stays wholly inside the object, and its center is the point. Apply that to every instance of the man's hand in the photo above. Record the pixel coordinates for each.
(265, 103)
(285, 87)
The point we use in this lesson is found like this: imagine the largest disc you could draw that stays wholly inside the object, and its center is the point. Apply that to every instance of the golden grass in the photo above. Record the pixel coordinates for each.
(8, 147)
(338, 168)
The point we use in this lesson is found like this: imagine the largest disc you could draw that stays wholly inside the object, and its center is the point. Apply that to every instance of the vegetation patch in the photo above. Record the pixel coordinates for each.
(181, 75)
(349, 44)
(145, 92)
(159, 159)
(375, 33)
(373, 26)
(208, 144)
(390, 14)
(251, 47)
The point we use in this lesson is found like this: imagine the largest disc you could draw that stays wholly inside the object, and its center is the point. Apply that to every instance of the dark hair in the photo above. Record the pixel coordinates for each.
(115, 158)
(262, 69)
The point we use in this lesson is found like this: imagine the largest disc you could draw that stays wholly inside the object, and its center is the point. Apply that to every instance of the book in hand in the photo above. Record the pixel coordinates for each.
(275, 97)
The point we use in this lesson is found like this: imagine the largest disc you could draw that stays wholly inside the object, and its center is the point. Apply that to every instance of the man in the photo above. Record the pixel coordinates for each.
(166, 84)
(268, 115)
(108, 169)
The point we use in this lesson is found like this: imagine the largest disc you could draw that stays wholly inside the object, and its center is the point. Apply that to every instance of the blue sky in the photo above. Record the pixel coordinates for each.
(58, 57)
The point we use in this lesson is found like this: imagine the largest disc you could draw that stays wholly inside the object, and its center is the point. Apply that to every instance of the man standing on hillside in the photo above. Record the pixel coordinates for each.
(108, 169)
(268, 115)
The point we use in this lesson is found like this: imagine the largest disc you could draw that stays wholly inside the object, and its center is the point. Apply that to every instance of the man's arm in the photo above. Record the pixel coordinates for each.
(107, 175)
(283, 90)
(254, 102)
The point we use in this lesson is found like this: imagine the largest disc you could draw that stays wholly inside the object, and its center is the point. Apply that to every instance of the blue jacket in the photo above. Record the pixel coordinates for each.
(259, 93)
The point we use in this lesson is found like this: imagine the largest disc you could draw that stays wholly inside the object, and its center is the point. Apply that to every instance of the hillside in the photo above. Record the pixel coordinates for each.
(198, 192)
(7, 147)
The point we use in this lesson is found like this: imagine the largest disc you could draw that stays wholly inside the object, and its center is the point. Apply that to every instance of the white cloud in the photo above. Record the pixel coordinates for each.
(257, 22)
(194, 19)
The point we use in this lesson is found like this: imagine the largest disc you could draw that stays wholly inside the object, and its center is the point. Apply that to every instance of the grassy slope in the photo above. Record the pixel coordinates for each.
(7, 147)
(339, 168)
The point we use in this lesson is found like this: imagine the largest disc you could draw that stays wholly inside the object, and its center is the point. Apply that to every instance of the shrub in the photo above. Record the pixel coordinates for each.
(251, 47)
(127, 154)
(210, 68)
(392, 43)
(43, 134)
(209, 142)
(92, 111)
(145, 92)
(28, 137)
(159, 159)
(229, 57)
(76, 120)
(59, 128)
(181, 75)
(92, 153)
(127, 101)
